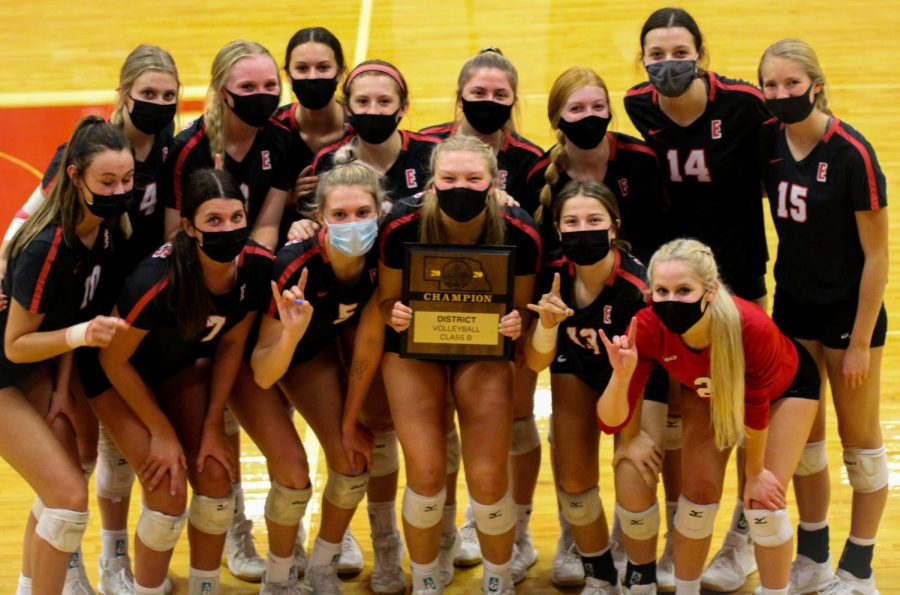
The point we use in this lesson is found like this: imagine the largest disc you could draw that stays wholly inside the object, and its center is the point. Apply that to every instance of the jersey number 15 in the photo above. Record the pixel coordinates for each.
(791, 202)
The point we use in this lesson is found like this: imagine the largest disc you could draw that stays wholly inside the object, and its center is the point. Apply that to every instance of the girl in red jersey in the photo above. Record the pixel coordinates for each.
(62, 269)
(593, 284)
(748, 384)
(459, 208)
(829, 205)
(486, 96)
(190, 306)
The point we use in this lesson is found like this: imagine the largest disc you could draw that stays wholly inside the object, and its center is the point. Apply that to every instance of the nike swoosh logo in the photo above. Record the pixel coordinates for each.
(670, 358)
(654, 131)
(321, 293)
(776, 160)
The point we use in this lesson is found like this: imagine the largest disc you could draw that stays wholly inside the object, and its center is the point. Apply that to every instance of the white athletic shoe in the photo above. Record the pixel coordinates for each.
(77, 582)
(301, 561)
(387, 571)
(288, 587)
(639, 590)
(115, 576)
(808, 576)
(469, 553)
(568, 570)
(844, 583)
(665, 566)
(731, 566)
(596, 586)
(446, 556)
(240, 552)
(524, 556)
(351, 561)
(321, 580)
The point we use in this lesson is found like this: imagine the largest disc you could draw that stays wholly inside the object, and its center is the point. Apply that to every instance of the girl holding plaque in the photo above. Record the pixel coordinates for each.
(458, 208)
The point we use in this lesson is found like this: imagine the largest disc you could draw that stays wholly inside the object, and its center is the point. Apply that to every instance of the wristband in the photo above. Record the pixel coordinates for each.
(76, 335)
(544, 339)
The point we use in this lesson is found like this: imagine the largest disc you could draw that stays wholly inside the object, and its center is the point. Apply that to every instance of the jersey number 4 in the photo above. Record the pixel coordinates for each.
(694, 165)
(792, 202)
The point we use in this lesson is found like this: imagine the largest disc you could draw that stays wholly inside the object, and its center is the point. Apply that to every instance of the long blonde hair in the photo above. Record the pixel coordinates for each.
(802, 53)
(213, 116)
(142, 59)
(567, 83)
(727, 346)
(431, 231)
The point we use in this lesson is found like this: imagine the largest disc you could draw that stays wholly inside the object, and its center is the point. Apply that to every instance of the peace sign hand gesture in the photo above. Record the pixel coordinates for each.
(551, 308)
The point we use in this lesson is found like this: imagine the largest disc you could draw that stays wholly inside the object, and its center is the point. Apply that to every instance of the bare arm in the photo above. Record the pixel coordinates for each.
(265, 229)
(278, 339)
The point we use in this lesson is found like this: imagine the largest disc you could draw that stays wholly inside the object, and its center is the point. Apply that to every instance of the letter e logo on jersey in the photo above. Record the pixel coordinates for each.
(266, 160)
(411, 181)
(345, 311)
(822, 172)
(716, 129)
(623, 186)
(607, 314)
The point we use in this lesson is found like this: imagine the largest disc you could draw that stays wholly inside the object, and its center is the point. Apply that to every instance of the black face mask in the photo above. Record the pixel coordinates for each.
(679, 317)
(224, 246)
(314, 93)
(672, 77)
(585, 133)
(109, 205)
(254, 109)
(374, 128)
(487, 117)
(461, 204)
(585, 247)
(791, 110)
(151, 118)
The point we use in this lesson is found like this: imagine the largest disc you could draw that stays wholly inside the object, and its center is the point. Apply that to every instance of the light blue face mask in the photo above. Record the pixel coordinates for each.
(355, 238)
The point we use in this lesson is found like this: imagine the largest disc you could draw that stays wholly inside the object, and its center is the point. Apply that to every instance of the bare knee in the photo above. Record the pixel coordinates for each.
(486, 482)
(214, 481)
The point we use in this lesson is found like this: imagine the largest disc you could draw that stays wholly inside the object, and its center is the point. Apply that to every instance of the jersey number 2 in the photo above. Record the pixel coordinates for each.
(792, 202)
(694, 165)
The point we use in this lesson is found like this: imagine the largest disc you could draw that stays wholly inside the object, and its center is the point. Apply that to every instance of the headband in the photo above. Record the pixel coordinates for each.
(383, 69)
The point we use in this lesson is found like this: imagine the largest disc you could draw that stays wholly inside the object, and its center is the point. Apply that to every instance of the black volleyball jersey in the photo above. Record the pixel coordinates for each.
(263, 167)
(517, 157)
(813, 203)
(144, 304)
(335, 305)
(402, 224)
(146, 214)
(710, 170)
(409, 173)
(299, 155)
(632, 173)
(579, 348)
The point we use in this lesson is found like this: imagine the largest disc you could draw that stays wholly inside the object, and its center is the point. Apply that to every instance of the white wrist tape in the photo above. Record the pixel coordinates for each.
(544, 339)
(76, 335)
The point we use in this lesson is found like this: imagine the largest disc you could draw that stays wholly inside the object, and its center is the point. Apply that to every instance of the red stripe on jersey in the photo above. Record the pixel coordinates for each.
(289, 271)
(258, 250)
(642, 90)
(279, 124)
(832, 128)
(559, 262)
(45, 271)
(409, 135)
(49, 185)
(330, 148)
(522, 144)
(541, 164)
(383, 234)
(448, 128)
(867, 160)
(179, 163)
(531, 232)
(742, 87)
(145, 299)
(625, 146)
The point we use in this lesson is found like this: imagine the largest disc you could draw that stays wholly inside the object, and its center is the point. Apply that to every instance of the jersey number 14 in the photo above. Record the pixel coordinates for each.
(694, 165)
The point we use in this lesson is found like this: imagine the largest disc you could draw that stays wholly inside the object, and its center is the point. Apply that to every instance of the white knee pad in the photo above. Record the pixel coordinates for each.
(580, 509)
(62, 528)
(385, 455)
(769, 528)
(345, 491)
(525, 436)
(114, 475)
(497, 518)
(423, 512)
(867, 468)
(158, 531)
(695, 521)
(673, 433)
(639, 525)
(287, 506)
(813, 459)
(37, 509)
(453, 451)
(232, 426)
(213, 516)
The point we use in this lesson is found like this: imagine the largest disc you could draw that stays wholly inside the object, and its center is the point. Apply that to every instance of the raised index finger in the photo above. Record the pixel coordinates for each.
(554, 288)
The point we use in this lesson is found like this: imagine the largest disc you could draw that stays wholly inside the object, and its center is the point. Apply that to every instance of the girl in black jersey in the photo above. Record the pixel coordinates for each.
(321, 285)
(61, 267)
(459, 208)
(376, 98)
(828, 201)
(486, 95)
(595, 286)
(704, 129)
(243, 94)
(190, 306)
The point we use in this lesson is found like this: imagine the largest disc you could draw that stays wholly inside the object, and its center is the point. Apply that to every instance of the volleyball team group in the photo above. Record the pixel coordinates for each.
(162, 291)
